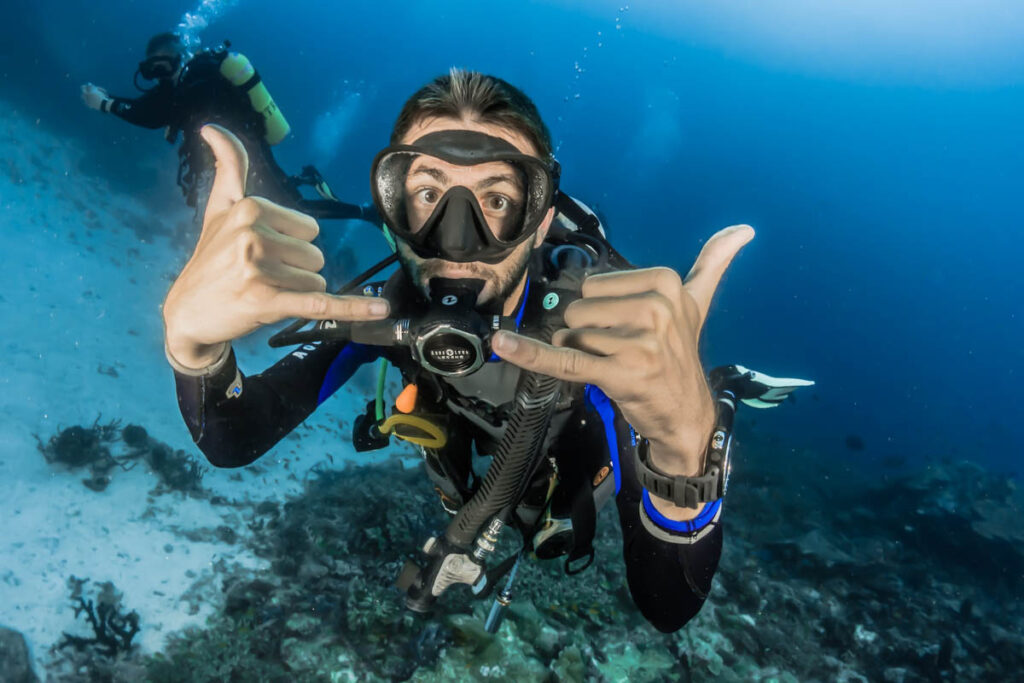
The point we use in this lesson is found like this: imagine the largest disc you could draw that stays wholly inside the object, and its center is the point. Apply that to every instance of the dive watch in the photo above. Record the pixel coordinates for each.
(692, 492)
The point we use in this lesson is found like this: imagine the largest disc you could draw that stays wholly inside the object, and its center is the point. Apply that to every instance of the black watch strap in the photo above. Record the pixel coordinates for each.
(692, 492)
(687, 492)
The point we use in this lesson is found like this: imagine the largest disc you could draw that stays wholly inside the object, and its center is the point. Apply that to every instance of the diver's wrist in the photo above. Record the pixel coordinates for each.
(682, 453)
(675, 461)
(196, 359)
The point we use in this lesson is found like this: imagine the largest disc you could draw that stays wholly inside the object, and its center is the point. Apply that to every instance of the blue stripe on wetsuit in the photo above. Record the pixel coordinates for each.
(685, 526)
(344, 366)
(603, 405)
(519, 318)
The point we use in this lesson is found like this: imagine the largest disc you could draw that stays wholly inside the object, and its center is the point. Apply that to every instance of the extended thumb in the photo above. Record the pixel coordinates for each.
(713, 260)
(232, 168)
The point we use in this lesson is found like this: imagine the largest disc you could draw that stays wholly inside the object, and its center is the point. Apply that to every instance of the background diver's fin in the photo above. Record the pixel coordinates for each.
(754, 388)
(311, 176)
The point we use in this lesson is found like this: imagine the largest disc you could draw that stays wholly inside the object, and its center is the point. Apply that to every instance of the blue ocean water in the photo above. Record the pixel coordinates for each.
(877, 150)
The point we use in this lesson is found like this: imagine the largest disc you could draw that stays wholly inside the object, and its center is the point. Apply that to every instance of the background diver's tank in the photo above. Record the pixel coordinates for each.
(239, 71)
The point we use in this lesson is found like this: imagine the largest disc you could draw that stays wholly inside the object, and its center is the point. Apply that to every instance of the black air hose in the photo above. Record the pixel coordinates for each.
(524, 435)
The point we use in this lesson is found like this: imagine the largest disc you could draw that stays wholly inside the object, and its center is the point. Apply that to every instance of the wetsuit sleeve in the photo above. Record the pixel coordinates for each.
(234, 418)
(152, 110)
(669, 565)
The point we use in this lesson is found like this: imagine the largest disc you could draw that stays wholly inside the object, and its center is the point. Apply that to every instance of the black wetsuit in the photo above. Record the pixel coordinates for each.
(234, 419)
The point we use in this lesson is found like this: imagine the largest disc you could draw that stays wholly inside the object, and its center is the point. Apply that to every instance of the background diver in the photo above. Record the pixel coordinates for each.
(517, 338)
(222, 87)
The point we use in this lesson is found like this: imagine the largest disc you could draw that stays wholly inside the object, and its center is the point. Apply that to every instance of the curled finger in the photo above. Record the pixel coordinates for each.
(275, 246)
(647, 308)
(285, 277)
(286, 220)
(596, 341)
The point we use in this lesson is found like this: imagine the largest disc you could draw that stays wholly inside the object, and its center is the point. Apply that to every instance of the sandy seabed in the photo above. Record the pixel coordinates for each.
(85, 271)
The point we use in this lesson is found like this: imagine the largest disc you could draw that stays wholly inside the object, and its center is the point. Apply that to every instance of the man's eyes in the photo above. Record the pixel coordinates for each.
(428, 195)
(492, 202)
(497, 202)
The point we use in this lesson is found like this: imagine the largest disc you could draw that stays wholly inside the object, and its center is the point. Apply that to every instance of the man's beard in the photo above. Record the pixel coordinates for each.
(500, 279)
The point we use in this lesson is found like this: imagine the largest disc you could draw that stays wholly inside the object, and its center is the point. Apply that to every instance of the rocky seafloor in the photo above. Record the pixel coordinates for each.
(833, 570)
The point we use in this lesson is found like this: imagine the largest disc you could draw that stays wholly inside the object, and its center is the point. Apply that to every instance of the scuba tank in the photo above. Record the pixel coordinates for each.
(237, 69)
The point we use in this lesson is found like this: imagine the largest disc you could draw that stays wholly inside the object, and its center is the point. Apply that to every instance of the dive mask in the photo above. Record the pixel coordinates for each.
(429, 199)
(159, 66)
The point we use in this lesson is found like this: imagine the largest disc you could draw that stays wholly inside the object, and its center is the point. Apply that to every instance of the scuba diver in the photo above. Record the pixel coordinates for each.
(520, 333)
(222, 87)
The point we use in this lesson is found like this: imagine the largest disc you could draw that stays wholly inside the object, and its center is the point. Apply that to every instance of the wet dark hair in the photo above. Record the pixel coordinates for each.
(165, 42)
(471, 94)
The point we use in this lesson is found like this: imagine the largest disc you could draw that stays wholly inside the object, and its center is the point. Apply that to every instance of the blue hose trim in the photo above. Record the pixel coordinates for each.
(522, 304)
(344, 366)
(603, 405)
(686, 526)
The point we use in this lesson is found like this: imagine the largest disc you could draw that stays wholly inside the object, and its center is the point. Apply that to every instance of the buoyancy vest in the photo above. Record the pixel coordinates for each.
(558, 506)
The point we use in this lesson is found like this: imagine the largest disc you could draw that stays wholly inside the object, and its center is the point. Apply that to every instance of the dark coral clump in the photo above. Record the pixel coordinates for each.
(135, 436)
(177, 471)
(77, 446)
(95, 447)
(85, 447)
(113, 630)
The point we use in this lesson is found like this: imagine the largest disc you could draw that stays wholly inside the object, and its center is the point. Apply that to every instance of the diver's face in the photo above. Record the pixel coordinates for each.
(171, 58)
(498, 189)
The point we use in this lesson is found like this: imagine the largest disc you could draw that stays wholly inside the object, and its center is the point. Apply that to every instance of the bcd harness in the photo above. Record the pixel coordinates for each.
(556, 509)
(552, 502)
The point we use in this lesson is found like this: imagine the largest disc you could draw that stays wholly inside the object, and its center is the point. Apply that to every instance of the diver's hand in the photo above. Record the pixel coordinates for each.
(634, 334)
(254, 264)
(94, 96)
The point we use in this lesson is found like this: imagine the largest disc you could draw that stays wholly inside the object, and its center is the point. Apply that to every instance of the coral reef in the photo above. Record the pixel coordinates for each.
(108, 654)
(825, 577)
(92, 447)
(84, 447)
(112, 631)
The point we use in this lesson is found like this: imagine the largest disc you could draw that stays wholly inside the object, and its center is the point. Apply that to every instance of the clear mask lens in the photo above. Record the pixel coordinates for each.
(510, 195)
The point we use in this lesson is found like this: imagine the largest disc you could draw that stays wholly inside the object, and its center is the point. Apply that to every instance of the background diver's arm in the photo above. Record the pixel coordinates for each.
(234, 419)
(153, 109)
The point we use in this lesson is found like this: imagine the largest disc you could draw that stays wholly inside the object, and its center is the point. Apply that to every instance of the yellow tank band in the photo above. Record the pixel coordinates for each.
(238, 70)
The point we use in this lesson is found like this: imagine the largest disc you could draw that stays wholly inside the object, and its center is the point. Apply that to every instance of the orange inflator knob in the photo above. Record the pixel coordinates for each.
(406, 401)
